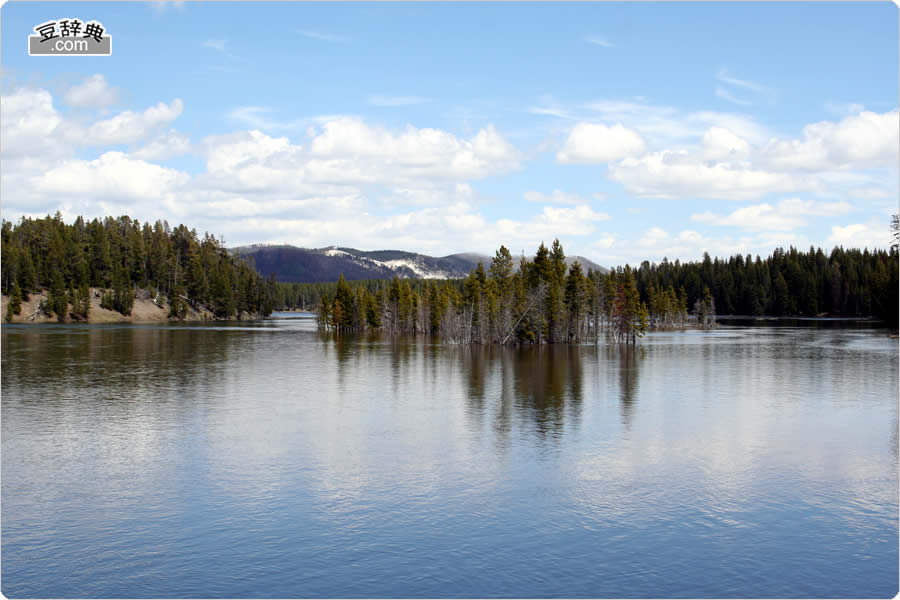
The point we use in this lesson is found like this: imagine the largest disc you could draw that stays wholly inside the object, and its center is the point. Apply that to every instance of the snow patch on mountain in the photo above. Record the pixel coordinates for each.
(309, 265)
(420, 270)
(336, 252)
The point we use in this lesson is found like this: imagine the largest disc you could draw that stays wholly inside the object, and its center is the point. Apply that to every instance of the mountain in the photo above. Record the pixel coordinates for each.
(291, 264)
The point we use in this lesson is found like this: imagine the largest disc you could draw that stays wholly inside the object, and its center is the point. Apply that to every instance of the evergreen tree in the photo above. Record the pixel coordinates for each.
(56, 300)
(575, 301)
(15, 302)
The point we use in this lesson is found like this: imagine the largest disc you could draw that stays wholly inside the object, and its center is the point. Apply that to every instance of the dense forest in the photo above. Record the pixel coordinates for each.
(541, 301)
(845, 283)
(122, 257)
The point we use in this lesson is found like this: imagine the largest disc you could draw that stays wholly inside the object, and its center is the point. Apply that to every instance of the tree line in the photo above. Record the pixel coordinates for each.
(122, 257)
(842, 283)
(537, 300)
(845, 283)
(543, 302)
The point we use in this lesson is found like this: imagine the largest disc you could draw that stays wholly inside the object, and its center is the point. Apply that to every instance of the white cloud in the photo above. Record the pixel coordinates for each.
(861, 235)
(396, 100)
(859, 141)
(597, 40)
(252, 160)
(724, 77)
(724, 94)
(604, 242)
(814, 208)
(257, 117)
(215, 44)
(720, 143)
(653, 237)
(93, 92)
(223, 205)
(787, 215)
(687, 245)
(325, 37)
(552, 111)
(346, 180)
(40, 170)
(29, 123)
(161, 6)
(740, 125)
(128, 126)
(351, 149)
(676, 174)
(341, 172)
(659, 125)
(427, 193)
(112, 176)
(844, 109)
(437, 230)
(551, 223)
(728, 156)
(868, 193)
(555, 197)
(729, 81)
(596, 143)
(349, 152)
(167, 145)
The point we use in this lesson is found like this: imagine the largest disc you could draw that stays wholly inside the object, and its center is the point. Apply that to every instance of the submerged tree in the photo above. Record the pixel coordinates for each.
(535, 302)
(629, 317)
(705, 309)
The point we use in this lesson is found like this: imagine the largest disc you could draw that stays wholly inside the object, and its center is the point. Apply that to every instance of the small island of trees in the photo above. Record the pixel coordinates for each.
(543, 301)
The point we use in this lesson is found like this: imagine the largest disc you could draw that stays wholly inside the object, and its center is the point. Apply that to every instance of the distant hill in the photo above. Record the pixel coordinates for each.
(291, 264)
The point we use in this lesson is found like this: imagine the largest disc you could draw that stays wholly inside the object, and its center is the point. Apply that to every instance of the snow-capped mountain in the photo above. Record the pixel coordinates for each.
(312, 265)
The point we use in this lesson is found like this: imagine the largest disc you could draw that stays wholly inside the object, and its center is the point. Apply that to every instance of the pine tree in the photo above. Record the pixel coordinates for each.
(84, 296)
(15, 303)
(27, 274)
(575, 301)
(343, 302)
(57, 301)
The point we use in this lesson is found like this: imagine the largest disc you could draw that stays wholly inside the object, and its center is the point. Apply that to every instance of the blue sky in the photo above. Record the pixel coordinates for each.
(629, 131)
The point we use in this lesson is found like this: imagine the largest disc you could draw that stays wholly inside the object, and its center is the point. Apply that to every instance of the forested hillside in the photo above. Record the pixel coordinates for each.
(120, 256)
(290, 264)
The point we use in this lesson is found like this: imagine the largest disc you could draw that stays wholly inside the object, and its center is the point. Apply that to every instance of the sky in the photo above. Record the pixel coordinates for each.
(630, 131)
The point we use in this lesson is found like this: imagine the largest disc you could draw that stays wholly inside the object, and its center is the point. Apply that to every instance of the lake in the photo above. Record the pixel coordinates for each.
(266, 459)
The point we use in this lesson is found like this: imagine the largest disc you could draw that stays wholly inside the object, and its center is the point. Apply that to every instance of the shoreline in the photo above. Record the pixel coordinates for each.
(792, 318)
(145, 310)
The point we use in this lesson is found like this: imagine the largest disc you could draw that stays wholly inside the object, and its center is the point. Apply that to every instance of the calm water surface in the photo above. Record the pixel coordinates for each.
(268, 460)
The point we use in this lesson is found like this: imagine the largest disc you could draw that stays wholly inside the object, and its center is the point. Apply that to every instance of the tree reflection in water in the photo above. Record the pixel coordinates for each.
(537, 390)
(629, 360)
